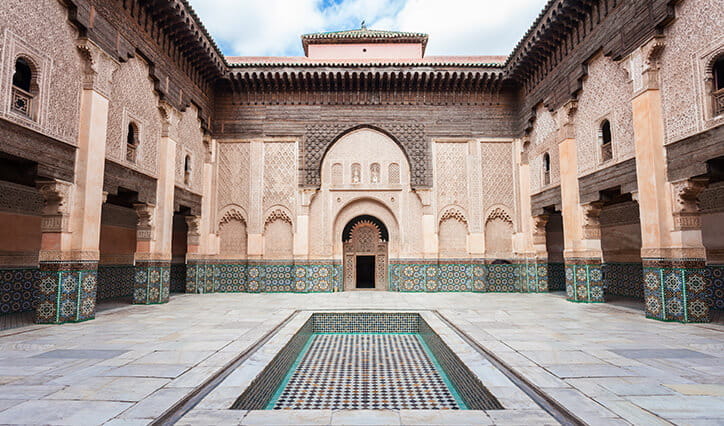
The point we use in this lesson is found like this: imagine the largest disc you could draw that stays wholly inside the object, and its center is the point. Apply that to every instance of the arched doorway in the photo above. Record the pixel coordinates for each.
(365, 252)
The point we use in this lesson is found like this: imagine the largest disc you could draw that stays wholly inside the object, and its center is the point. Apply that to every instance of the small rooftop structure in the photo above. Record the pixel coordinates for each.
(364, 43)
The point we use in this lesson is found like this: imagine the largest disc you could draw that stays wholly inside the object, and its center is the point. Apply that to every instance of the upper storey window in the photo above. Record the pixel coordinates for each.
(718, 94)
(24, 88)
(375, 173)
(546, 169)
(604, 137)
(131, 142)
(187, 170)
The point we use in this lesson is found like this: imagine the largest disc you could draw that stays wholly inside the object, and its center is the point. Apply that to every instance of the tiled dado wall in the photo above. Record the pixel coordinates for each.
(18, 289)
(624, 279)
(715, 290)
(115, 281)
(556, 276)
(254, 277)
(433, 276)
(676, 290)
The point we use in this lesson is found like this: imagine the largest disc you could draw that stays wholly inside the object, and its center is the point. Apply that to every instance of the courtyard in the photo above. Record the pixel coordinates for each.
(134, 363)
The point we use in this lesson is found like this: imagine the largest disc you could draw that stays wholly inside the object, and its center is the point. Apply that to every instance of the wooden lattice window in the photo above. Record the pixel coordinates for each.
(546, 169)
(24, 89)
(718, 92)
(605, 140)
(132, 136)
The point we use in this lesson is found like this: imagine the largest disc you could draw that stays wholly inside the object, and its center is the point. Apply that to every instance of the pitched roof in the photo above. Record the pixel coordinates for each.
(363, 35)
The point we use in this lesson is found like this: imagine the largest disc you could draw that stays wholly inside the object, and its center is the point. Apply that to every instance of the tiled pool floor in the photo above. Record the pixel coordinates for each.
(366, 371)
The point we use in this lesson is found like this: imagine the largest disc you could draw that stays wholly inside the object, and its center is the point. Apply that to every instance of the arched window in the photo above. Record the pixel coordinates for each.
(546, 169)
(375, 173)
(356, 173)
(337, 174)
(718, 93)
(604, 137)
(131, 142)
(393, 175)
(24, 88)
(187, 170)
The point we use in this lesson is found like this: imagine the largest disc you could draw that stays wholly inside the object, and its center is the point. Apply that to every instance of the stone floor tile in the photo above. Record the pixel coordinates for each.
(630, 412)
(169, 371)
(365, 417)
(444, 417)
(541, 378)
(80, 354)
(129, 389)
(57, 412)
(698, 389)
(156, 404)
(287, 417)
(27, 392)
(521, 417)
(680, 407)
(554, 357)
(198, 417)
(588, 370)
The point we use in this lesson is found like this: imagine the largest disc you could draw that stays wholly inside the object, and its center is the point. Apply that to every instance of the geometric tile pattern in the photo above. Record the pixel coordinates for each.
(361, 322)
(115, 281)
(267, 277)
(366, 371)
(556, 276)
(471, 390)
(152, 282)
(66, 292)
(676, 290)
(262, 388)
(178, 277)
(584, 280)
(714, 275)
(18, 289)
(446, 276)
(624, 279)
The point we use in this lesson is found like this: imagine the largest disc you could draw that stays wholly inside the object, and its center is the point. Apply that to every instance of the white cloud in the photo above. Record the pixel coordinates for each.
(456, 27)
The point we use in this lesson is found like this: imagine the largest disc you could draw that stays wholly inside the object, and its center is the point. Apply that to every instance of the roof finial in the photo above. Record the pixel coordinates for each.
(363, 25)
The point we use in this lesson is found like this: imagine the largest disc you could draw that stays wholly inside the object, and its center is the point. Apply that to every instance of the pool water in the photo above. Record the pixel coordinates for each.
(366, 371)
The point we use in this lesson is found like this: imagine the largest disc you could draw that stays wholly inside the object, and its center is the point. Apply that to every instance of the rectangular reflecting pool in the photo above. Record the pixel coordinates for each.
(366, 360)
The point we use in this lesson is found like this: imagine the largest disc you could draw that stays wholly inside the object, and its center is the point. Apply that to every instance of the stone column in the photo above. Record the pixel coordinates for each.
(582, 253)
(672, 252)
(72, 215)
(537, 277)
(202, 239)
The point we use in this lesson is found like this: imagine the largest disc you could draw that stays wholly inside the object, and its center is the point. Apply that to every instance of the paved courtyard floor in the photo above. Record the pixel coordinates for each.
(606, 364)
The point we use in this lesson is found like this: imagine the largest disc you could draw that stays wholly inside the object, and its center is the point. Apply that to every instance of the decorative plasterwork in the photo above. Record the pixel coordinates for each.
(145, 225)
(539, 228)
(686, 203)
(591, 215)
(56, 211)
(453, 213)
(277, 214)
(193, 224)
(99, 68)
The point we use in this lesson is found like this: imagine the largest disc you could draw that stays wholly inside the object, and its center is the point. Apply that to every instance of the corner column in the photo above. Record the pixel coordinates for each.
(71, 221)
(582, 253)
(672, 252)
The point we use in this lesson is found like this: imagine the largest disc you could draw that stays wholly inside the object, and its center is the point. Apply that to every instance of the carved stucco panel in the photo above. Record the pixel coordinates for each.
(606, 95)
(233, 187)
(133, 96)
(189, 136)
(681, 75)
(451, 175)
(543, 139)
(280, 175)
(498, 179)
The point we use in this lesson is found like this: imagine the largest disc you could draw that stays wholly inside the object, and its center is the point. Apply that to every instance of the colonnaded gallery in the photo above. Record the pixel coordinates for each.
(136, 160)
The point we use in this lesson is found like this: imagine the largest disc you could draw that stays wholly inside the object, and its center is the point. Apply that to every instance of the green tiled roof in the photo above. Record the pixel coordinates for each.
(363, 33)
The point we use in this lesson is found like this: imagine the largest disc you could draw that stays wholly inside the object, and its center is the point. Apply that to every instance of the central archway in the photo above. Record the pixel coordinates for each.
(365, 252)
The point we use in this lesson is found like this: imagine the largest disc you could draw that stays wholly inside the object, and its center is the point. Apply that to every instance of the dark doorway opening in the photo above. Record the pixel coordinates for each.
(365, 272)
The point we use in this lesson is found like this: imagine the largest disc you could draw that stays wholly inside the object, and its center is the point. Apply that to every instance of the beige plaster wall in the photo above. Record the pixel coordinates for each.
(20, 235)
(52, 47)
(691, 41)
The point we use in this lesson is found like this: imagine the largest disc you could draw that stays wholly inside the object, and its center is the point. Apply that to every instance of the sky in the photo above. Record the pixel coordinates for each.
(455, 27)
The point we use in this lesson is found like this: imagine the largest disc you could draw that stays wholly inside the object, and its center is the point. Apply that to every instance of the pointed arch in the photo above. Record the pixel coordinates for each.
(232, 232)
(452, 232)
(499, 233)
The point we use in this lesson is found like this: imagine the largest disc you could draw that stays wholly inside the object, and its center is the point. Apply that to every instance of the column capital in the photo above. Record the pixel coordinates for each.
(539, 228)
(57, 195)
(686, 203)
(591, 220)
(145, 224)
(567, 120)
(99, 67)
(194, 229)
